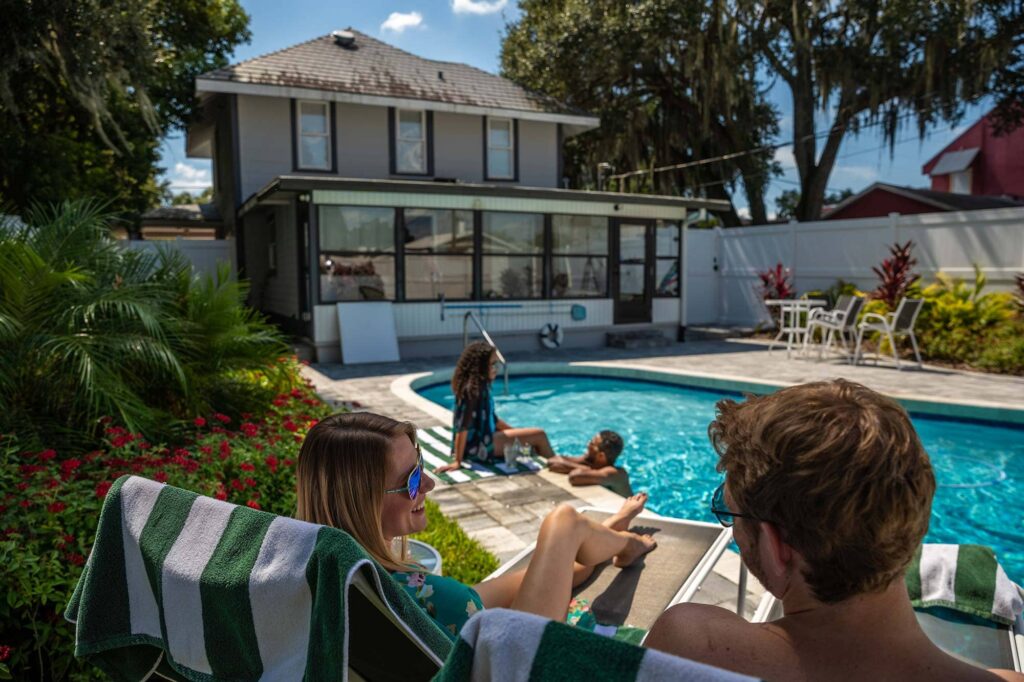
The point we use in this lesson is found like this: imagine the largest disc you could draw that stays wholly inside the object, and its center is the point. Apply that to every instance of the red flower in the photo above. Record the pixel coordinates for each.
(102, 488)
(199, 421)
(251, 482)
(221, 495)
(22, 486)
(5, 652)
(70, 464)
(296, 393)
(120, 441)
(298, 438)
(181, 452)
(206, 449)
(46, 455)
(106, 420)
(290, 426)
(253, 503)
(25, 504)
(271, 462)
(250, 429)
(288, 462)
(237, 485)
(258, 446)
(225, 449)
(144, 446)
(247, 466)
(56, 507)
(76, 559)
(247, 416)
(52, 483)
(280, 401)
(160, 477)
(222, 418)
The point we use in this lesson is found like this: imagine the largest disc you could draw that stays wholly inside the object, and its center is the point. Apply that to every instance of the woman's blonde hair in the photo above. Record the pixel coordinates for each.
(342, 475)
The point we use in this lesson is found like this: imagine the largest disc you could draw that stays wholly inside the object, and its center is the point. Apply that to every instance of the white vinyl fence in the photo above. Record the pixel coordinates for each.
(204, 254)
(722, 265)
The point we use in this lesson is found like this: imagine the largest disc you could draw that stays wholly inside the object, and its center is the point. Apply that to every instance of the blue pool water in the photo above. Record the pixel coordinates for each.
(979, 466)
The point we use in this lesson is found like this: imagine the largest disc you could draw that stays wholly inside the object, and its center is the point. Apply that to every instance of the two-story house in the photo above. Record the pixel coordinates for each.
(350, 170)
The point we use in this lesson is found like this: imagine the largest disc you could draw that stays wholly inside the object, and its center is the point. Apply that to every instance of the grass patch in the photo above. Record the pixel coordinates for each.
(464, 558)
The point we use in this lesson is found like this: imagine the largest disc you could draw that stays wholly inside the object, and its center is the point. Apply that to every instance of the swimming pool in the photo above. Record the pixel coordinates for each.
(979, 466)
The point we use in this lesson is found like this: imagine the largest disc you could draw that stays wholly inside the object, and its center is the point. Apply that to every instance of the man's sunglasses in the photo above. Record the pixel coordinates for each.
(412, 485)
(726, 516)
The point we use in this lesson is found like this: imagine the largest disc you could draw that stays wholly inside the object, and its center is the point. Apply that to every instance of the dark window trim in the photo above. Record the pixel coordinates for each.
(515, 149)
(399, 230)
(332, 138)
(392, 142)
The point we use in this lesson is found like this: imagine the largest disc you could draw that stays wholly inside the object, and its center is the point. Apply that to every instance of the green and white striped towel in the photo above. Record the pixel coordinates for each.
(500, 645)
(965, 578)
(220, 591)
(436, 445)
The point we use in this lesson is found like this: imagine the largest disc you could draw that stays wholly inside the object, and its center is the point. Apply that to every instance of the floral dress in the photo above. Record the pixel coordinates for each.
(478, 420)
(447, 601)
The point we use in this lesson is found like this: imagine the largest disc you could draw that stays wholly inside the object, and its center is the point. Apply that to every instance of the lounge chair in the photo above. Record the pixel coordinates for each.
(982, 643)
(185, 587)
(894, 325)
(835, 324)
(637, 595)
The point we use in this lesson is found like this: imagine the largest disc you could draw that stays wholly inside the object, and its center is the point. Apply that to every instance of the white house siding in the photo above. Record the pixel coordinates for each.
(362, 141)
(538, 154)
(665, 311)
(458, 147)
(264, 141)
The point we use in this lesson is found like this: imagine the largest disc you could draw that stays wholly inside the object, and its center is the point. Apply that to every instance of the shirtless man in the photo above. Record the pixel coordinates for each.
(597, 467)
(830, 491)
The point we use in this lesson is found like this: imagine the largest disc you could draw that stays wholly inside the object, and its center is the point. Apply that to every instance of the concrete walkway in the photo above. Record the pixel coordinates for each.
(504, 514)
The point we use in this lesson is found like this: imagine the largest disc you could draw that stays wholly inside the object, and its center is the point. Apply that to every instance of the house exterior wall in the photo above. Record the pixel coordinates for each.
(360, 138)
(879, 203)
(273, 291)
(998, 170)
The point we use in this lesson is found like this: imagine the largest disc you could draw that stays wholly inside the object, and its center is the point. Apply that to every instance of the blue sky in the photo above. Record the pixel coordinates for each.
(470, 31)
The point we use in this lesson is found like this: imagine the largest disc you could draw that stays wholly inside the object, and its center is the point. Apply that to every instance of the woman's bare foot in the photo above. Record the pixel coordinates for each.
(638, 546)
(632, 506)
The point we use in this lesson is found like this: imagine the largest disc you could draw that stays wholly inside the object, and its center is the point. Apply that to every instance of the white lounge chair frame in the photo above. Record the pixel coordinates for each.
(836, 322)
(768, 610)
(894, 325)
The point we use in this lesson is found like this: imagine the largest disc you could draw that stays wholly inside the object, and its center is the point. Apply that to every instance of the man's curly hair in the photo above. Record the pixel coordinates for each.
(472, 372)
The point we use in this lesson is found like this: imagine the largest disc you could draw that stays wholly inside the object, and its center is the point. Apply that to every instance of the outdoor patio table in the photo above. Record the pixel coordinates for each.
(793, 320)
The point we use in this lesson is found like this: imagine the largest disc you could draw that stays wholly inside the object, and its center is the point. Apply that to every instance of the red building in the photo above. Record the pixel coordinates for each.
(979, 163)
(881, 199)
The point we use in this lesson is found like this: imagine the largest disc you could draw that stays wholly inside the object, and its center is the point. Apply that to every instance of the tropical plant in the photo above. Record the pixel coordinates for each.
(776, 284)
(840, 288)
(895, 277)
(90, 328)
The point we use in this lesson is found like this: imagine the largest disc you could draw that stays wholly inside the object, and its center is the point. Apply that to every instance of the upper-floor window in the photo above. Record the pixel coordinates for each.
(960, 183)
(314, 133)
(501, 161)
(410, 141)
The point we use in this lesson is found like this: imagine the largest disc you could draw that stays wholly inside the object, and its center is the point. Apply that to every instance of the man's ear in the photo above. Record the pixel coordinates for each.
(777, 557)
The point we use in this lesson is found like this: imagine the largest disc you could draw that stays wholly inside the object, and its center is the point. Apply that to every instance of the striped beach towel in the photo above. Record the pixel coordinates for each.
(511, 646)
(216, 591)
(966, 578)
(436, 445)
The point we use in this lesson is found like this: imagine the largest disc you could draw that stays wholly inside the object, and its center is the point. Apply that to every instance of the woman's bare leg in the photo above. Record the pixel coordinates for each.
(531, 436)
(567, 537)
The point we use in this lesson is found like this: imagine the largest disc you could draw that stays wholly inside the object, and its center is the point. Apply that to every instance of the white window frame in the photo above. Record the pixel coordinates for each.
(967, 178)
(326, 107)
(511, 149)
(422, 140)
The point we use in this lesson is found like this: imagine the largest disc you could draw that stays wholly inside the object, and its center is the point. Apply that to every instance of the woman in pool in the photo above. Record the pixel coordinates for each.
(363, 473)
(479, 433)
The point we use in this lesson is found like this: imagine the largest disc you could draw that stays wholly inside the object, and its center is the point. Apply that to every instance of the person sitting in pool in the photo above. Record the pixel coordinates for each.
(479, 433)
(597, 466)
(363, 473)
(830, 491)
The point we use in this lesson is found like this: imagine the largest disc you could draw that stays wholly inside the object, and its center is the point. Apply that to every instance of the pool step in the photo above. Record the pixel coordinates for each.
(643, 338)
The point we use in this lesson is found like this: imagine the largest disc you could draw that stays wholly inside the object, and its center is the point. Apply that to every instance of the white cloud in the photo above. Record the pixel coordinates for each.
(784, 155)
(478, 6)
(398, 22)
(187, 177)
(853, 175)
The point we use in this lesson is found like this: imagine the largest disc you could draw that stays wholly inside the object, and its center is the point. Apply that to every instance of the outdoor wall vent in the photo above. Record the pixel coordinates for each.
(346, 39)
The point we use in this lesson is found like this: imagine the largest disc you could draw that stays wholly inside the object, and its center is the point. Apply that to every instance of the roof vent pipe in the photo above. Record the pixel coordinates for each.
(344, 38)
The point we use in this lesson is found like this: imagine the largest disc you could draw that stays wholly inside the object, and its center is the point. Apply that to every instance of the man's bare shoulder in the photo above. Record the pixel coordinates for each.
(709, 634)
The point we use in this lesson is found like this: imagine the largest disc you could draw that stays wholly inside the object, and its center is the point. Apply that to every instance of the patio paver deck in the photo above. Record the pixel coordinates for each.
(504, 514)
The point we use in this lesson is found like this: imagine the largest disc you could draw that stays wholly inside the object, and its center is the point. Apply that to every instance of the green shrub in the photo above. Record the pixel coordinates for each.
(1004, 350)
(463, 558)
(90, 328)
(832, 294)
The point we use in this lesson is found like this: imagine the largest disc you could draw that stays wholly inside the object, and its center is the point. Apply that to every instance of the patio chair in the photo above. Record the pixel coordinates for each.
(894, 325)
(985, 644)
(638, 594)
(835, 324)
(185, 587)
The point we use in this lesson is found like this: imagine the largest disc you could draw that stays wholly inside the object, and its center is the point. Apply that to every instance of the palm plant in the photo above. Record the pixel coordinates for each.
(89, 329)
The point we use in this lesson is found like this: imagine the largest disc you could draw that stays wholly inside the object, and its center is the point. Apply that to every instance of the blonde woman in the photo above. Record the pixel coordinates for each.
(363, 473)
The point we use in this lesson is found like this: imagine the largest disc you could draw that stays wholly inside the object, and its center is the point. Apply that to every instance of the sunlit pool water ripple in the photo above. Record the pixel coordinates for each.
(979, 466)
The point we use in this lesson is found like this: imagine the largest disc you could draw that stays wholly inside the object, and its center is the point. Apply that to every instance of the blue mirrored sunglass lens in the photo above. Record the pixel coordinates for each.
(414, 482)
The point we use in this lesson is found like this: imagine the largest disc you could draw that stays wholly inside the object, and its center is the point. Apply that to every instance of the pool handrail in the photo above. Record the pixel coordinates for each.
(470, 315)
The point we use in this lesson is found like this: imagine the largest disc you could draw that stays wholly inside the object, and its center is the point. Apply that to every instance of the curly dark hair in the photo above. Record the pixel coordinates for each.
(472, 371)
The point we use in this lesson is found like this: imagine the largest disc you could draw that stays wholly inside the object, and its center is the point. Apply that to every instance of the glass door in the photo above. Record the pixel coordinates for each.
(633, 270)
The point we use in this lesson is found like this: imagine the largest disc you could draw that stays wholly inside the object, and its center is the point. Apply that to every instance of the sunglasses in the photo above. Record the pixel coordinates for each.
(726, 516)
(412, 484)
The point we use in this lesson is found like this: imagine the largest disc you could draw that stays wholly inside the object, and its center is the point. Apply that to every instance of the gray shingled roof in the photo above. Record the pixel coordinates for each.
(371, 67)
